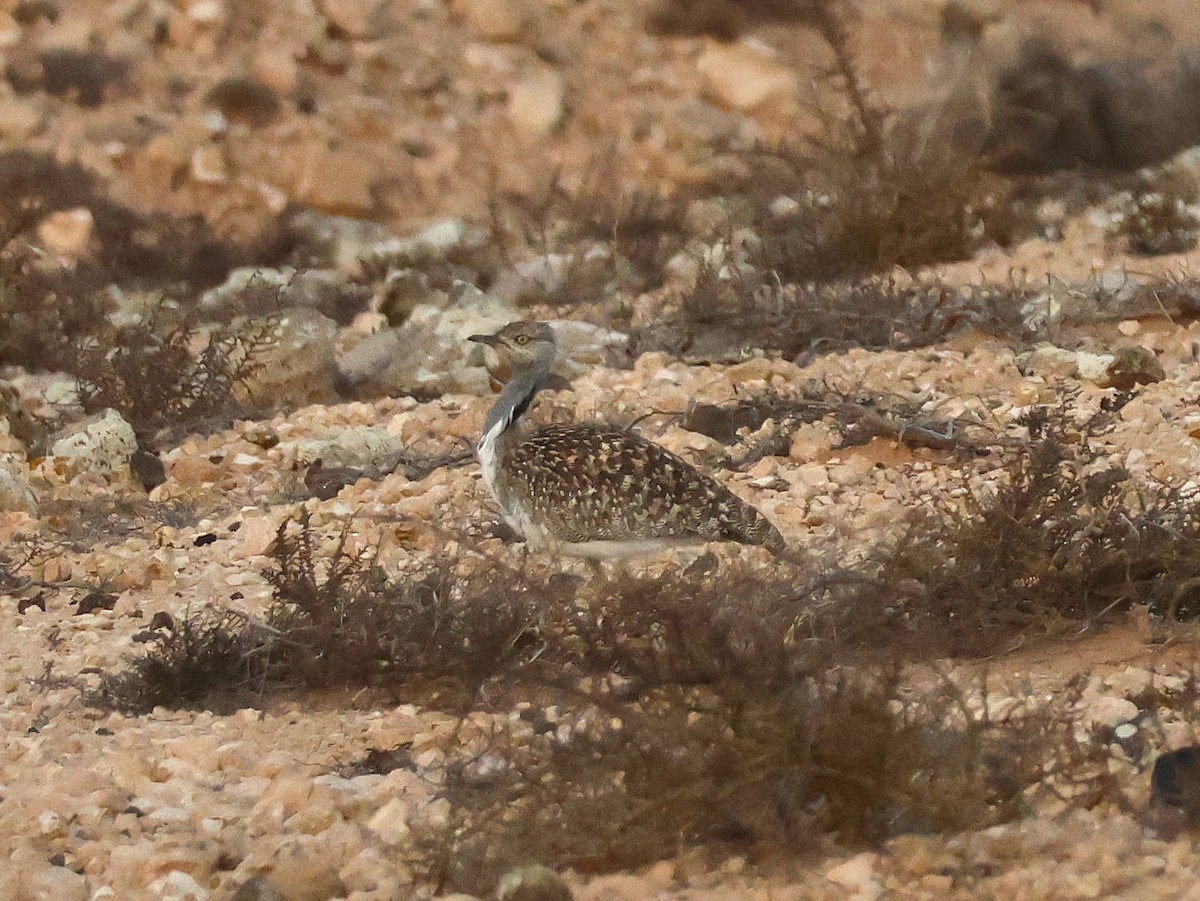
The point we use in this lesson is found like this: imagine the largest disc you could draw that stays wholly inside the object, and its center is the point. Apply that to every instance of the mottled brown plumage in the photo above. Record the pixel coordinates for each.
(597, 490)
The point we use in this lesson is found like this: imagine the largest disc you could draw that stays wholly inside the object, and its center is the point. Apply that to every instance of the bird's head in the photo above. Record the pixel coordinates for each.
(522, 346)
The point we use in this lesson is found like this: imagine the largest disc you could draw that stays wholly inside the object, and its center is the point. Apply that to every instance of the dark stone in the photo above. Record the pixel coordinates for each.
(38, 600)
(96, 600)
(147, 468)
(244, 100)
(1175, 781)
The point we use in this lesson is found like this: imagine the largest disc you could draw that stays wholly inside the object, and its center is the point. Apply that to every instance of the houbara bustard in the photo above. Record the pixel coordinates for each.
(592, 490)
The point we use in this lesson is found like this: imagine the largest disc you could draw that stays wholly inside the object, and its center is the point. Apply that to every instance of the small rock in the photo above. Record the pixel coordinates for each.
(438, 241)
(55, 884)
(532, 883)
(65, 233)
(1109, 711)
(1131, 366)
(259, 888)
(1129, 327)
(365, 368)
(293, 359)
(19, 118)
(15, 490)
(244, 100)
(374, 873)
(306, 869)
(429, 354)
(543, 277)
(858, 875)
(535, 103)
(390, 822)
(253, 290)
(206, 12)
(178, 886)
(148, 469)
(402, 290)
(208, 165)
(369, 447)
(324, 484)
(583, 345)
(276, 67)
(338, 181)
(354, 17)
(497, 20)
(104, 443)
(337, 241)
(744, 77)
(1175, 780)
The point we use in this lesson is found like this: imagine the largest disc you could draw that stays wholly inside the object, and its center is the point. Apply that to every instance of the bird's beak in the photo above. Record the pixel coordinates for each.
(489, 340)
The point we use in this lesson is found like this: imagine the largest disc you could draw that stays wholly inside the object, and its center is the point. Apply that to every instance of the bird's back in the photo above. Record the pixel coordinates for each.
(589, 483)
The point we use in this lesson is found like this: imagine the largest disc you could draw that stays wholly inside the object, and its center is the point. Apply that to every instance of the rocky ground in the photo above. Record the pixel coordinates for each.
(244, 244)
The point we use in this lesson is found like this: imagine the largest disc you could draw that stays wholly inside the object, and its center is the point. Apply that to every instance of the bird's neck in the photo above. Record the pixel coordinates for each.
(502, 424)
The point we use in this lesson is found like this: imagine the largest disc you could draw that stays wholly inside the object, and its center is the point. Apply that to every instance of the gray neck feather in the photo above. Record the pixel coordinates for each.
(514, 400)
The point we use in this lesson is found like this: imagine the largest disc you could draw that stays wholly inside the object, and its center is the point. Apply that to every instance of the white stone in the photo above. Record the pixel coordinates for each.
(102, 444)
(535, 103)
(56, 884)
(178, 886)
(390, 822)
(206, 12)
(858, 874)
(744, 77)
(1109, 711)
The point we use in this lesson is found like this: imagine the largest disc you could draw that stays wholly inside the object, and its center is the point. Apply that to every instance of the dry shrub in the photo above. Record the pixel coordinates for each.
(1067, 539)
(731, 309)
(213, 660)
(44, 310)
(132, 249)
(151, 373)
(872, 190)
(597, 239)
(21, 553)
(348, 622)
(742, 768)
(770, 421)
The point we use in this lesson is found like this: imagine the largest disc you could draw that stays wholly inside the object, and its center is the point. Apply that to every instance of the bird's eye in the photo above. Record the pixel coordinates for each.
(522, 339)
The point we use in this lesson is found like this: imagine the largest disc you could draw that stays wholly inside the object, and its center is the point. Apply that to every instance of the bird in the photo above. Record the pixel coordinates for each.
(592, 490)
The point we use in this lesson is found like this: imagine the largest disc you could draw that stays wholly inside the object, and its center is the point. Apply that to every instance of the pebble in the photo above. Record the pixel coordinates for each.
(390, 822)
(337, 181)
(857, 875)
(178, 886)
(497, 20)
(532, 883)
(536, 102)
(66, 233)
(354, 17)
(102, 444)
(19, 118)
(1108, 711)
(51, 883)
(744, 76)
